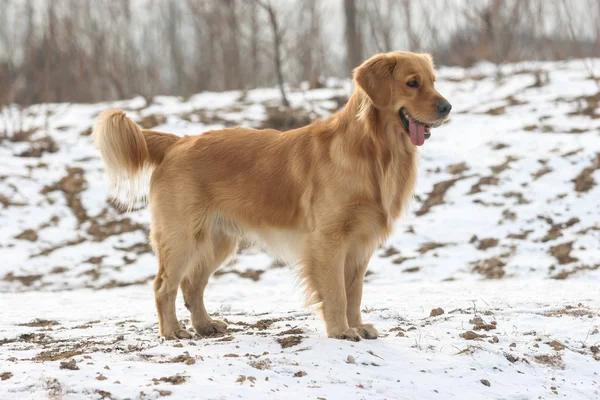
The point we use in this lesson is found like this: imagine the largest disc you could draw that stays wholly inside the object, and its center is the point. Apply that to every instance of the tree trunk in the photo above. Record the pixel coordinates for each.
(353, 39)
(277, 51)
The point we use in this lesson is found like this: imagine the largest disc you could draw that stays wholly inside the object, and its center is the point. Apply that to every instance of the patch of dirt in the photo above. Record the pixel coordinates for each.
(496, 111)
(457, 169)
(487, 243)
(261, 364)
(521, 236)
(518, 195)
(40, 323)
(484, 181)
(562, 253)
(436, 196)
(480, 325)
(572, 153)
(71, 364)
(566, 274)
(400, 260)
(412, 269)
(588, 106)
(499, 146)
(585, 180)
(428, 246)
(56, 354)
(137, 248)
(300, 374)
(491, 268)
(54, 388)
(39, 147)
(26, 280)
(28, 234)
(573, 311)
(470, 335)
(556, 345)
(183, 358)
(436, 312)
(118, 284)
(6, 375)
(49, 250)
(496, 169)
(6, 202)
(541, 172)
(390, 251)
(71, 185)
(554, 360)
(293, 331)
(253, 274)
(290, 341)
(173, 380)
(263, 324)
(555, 229)
(100, 230)
(243, 378)
(151, 121)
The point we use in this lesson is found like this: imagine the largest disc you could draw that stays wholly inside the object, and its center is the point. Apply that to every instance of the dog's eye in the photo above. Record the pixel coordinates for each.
(413, 84)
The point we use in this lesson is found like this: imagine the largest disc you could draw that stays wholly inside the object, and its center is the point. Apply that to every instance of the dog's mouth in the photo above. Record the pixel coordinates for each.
(417, 130)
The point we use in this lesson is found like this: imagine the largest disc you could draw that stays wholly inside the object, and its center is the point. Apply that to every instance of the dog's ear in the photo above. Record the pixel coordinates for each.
(376, 77)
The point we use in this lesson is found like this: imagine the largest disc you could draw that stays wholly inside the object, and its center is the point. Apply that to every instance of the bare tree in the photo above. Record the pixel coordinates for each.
(353, 37)
(276, 48)
(93, 50)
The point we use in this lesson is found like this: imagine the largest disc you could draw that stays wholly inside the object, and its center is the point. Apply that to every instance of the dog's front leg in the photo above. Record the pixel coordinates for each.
(354, 272)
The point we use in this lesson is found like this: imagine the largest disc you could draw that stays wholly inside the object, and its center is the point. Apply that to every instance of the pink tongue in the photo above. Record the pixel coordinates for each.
(417, 133)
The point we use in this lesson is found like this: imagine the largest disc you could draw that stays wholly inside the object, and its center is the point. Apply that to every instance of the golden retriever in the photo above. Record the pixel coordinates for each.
(323, 197)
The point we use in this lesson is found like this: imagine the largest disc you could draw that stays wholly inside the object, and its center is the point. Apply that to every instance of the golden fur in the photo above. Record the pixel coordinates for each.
(323, 197)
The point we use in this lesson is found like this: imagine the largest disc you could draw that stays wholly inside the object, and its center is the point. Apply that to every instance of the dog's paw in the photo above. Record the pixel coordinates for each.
(179, 334)
(349, 334)
(367, 331)
(212, 327)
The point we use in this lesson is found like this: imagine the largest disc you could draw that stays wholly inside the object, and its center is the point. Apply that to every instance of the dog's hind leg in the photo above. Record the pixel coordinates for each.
(210, 256)
(173, 261)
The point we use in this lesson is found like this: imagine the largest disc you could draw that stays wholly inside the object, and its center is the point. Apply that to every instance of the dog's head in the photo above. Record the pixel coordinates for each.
(402, 83)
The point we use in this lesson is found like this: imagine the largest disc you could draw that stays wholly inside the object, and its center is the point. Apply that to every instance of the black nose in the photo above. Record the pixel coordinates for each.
(443, 108)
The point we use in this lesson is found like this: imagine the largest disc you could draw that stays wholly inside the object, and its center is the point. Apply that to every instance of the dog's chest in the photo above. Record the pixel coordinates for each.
(398, 184)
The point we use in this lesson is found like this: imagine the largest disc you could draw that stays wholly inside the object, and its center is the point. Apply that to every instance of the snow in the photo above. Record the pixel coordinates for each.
(488, 250)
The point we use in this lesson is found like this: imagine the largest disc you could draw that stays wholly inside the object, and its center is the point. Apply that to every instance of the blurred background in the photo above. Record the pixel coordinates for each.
(98, 50)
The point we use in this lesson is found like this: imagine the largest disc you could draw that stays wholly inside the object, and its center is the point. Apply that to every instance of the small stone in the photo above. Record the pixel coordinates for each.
(556, 345)
(470, 335)
(6, 375)
(71, 364)
(350, 360)
(485, 382)
(436, 311)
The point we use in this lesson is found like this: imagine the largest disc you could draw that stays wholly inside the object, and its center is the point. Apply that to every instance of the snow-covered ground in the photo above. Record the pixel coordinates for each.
(503, 236)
